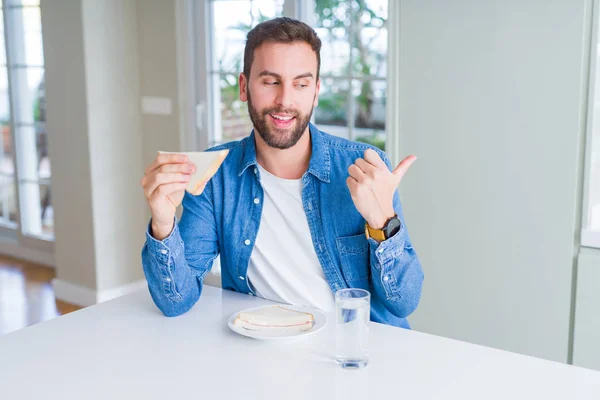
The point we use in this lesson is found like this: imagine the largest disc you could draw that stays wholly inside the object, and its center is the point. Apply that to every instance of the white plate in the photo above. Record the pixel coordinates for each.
(320, 322)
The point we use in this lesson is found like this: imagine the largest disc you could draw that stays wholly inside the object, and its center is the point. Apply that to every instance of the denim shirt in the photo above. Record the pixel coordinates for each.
(224, 220)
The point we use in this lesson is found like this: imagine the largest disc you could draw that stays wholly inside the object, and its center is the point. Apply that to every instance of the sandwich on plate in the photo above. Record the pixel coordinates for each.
(275, 319)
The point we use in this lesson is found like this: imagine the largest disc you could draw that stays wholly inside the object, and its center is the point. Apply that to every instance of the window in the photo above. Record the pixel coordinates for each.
(353, 64)
(25, 202)
(231, 22)
(353, 68)
(591, 202)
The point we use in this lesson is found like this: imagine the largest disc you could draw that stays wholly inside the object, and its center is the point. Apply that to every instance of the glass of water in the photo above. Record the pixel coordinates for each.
(352, 314)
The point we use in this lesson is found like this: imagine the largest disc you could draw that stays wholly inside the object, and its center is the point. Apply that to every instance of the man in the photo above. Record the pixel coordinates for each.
(290, 208)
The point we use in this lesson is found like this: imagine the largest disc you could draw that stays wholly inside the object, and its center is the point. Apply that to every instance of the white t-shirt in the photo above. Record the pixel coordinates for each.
(283, 265)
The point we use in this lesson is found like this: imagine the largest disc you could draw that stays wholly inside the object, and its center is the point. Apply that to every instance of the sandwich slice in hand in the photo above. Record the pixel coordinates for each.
(275, 319)
(207, 163)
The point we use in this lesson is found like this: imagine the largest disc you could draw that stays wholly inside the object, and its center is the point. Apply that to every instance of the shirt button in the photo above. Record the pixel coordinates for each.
(163, 251)
(167, 279)
(380, 250)
(241, 278)
(386, 278)
(255, 171)
(247, 242)
(256, 201)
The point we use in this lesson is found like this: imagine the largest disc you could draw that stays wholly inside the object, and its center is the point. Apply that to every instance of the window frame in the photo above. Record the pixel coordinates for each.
(17, 231)
(591, 237)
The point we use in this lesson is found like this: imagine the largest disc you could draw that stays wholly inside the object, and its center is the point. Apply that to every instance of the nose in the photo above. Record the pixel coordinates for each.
(285, 97)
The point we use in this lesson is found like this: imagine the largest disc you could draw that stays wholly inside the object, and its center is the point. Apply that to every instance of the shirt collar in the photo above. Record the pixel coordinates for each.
(318, 166)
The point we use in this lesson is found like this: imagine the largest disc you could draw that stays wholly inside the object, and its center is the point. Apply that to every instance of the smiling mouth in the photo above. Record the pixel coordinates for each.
(282, 118)
(281, 121)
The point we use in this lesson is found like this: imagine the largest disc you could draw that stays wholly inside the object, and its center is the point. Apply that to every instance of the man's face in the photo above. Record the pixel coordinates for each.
(281, 92)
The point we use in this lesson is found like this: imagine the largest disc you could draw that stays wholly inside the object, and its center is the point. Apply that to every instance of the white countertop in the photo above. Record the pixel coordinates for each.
(126, 349)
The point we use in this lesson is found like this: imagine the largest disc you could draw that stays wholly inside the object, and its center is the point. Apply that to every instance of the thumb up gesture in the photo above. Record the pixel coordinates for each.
(372, 186)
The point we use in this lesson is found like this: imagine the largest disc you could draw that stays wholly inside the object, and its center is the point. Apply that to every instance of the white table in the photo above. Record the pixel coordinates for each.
(126, 349)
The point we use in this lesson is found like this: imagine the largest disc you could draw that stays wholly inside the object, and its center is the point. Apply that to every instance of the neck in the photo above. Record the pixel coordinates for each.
(289, 163)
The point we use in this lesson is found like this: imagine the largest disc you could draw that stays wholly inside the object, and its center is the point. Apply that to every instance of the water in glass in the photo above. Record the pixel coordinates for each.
(352, 308)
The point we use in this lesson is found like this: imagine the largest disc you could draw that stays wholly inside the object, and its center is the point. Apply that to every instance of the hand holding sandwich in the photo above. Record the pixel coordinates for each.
(164, 183)
(167, 179)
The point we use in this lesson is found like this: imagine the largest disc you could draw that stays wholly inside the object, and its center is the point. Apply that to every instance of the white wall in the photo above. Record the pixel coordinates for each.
(69, 149)
(158, 74)
(492, 95)
(95, 144)
(111, 61)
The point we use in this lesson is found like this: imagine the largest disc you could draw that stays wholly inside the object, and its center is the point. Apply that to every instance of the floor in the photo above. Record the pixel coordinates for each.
(26, 295)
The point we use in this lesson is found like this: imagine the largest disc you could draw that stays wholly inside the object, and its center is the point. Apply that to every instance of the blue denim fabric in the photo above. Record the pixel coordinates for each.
(225, 220)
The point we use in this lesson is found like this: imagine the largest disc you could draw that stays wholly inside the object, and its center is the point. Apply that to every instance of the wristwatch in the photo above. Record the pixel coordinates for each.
(390, 228)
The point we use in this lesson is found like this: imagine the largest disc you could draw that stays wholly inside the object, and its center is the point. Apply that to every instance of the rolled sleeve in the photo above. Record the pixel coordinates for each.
(161, 257)
(383, 260)
(396, 274)
(172, 245)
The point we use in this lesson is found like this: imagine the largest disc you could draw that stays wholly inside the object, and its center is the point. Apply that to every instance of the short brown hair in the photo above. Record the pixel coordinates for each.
(280, 30)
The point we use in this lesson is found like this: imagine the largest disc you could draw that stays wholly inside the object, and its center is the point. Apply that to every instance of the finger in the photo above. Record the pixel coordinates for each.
(366, 167)
(165, 179)
(352, 184)
(403, 167)
(373, 158)
(356, 173)
(183, 168)
(168, 189)
(163, 158)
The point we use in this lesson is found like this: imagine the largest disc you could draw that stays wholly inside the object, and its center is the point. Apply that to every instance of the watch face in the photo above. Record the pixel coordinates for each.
(392, 227)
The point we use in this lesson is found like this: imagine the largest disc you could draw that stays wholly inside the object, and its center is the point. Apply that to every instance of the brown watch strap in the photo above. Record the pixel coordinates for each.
(376, 234)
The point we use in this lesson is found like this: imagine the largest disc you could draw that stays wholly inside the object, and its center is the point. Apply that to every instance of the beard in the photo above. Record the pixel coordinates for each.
(278, 138)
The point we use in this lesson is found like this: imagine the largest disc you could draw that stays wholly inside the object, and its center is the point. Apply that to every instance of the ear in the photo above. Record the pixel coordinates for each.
(243, 82)
(317, 90)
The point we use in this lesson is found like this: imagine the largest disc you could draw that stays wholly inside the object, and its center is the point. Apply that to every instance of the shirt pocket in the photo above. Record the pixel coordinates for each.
(354, 256)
